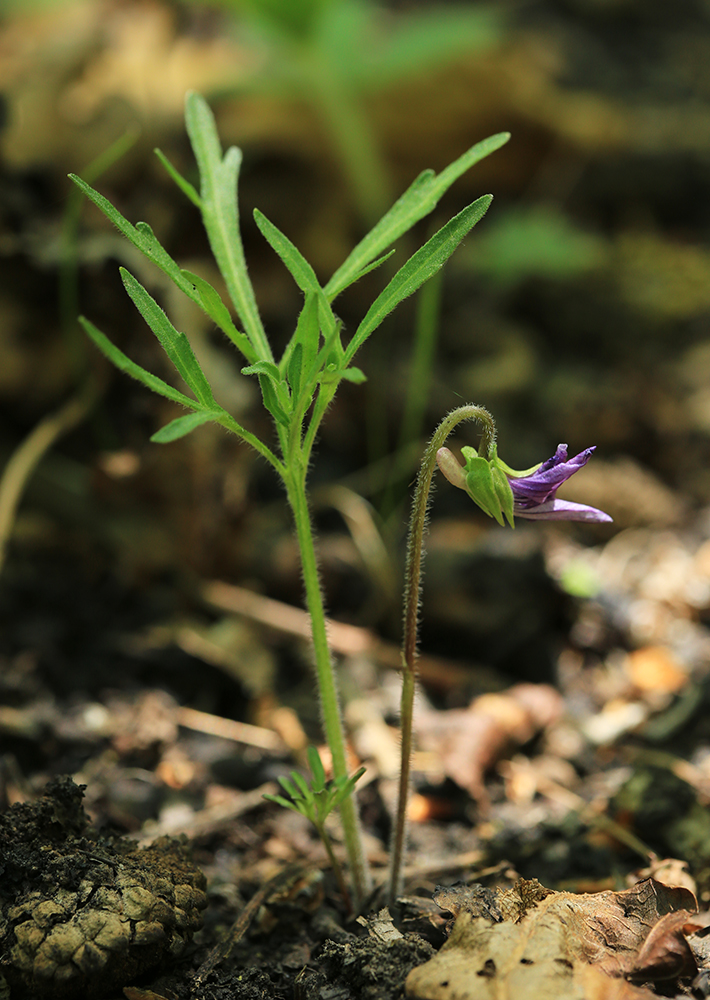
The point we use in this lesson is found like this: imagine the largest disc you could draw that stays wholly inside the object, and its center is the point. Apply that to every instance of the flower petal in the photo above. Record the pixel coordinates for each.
(542, 484)
(561, 510)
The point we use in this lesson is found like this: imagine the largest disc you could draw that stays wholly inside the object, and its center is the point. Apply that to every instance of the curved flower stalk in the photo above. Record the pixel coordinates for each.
(503, 494)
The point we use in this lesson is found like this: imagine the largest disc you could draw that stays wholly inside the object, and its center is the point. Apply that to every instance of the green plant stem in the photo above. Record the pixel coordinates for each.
(325, 674)
(412, 591)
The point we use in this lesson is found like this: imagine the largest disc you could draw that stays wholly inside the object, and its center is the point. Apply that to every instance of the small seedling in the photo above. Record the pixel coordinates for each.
(297, 388)
(316, 801)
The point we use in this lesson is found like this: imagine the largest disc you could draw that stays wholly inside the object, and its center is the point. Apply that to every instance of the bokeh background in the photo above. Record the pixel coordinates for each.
(577, 310)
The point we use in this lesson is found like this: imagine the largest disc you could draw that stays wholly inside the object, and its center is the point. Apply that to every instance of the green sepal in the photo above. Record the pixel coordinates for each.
(517, 473)
(503, 492)
(481, 488)
(487, 484)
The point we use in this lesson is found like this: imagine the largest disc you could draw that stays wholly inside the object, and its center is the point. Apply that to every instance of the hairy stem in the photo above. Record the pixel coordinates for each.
(412, 590)
(327, 690)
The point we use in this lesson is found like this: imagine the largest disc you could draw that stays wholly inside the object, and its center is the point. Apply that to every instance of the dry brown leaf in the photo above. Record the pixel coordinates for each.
(666, 954)
(530, 941)
(471, 741)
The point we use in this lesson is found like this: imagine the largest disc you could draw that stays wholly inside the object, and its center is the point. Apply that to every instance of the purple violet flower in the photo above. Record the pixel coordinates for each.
(534, 495)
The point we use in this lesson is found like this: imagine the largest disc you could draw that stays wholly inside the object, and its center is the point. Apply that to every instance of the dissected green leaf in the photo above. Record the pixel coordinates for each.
(143, 238)
(281, 801)
(120, 360)
(317, 769)
(295, 369)
(183, 425)
(302, 785)
(301, 271)
(289, 787)
(272, 401)
(417, 201)
(347, 786)
(418, 269)
(219, 181)
(333, 374)
(175, 344)
(212, 304)
(140, 235)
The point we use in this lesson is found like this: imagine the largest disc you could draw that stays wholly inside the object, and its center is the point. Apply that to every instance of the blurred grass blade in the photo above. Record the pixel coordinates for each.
(431, 38)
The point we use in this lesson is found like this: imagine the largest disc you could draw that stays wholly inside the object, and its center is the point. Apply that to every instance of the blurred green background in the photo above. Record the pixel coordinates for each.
(576, 311)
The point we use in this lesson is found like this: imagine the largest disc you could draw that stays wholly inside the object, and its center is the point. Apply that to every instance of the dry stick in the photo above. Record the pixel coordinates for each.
(28, 455)
(412, 591)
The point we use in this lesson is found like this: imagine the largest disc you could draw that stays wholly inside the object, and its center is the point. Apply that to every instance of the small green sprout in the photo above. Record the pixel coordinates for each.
(316, 801)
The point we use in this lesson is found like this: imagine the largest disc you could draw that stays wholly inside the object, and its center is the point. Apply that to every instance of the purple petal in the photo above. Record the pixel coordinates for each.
(561, 510)
(539, 487)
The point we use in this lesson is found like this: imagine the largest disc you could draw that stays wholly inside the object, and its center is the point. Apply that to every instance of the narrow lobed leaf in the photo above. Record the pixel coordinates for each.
(289, 787)
(124, 363)
(301, 271)
(211, 302)
(143, 238)
(418, 269)
(417, 201)
(175, 344)
(279, 800)
(303, 785)
(317, 769)
(219, 184)
(187, 189)
(182, 425)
